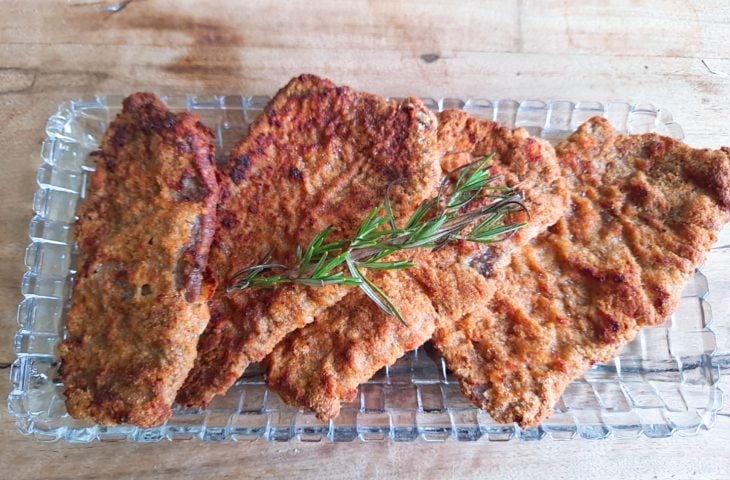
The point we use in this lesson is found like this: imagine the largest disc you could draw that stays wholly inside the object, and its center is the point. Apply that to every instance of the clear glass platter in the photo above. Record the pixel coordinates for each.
(666, 382)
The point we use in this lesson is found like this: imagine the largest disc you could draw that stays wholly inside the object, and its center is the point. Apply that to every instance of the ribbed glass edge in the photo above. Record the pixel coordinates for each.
(551, 120)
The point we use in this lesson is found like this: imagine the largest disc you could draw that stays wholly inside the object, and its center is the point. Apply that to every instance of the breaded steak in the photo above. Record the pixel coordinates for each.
(319, 155)
(144, 232)
(321, 365)
(644, 211)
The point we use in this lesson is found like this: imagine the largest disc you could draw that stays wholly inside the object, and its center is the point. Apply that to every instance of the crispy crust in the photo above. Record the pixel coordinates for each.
(321, 365)
(644, 212)
(143, 234)
(318, 156)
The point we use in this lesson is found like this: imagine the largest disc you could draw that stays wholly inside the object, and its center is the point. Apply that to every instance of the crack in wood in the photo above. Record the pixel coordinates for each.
(714, 71)
(118, 7)
(430, 57)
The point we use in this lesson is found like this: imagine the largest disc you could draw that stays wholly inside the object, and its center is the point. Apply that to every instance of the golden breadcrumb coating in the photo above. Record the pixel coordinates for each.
(319, 155)
(138, 303)
(321, 365)
(644, 211)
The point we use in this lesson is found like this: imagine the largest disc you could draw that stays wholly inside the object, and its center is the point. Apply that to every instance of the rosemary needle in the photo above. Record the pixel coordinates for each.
(435, 223)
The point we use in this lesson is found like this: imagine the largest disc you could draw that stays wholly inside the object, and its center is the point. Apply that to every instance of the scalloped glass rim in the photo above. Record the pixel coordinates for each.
(666, 382)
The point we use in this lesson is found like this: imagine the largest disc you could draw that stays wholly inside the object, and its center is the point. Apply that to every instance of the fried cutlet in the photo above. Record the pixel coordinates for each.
(143, 235)
(321, 365)
(644, 211)
(318, 156)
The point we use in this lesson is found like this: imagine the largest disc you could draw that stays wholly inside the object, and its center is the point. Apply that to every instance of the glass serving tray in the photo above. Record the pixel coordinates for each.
(666, 382)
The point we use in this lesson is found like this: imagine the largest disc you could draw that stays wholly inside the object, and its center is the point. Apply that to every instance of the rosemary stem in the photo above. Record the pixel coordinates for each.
(435, 223)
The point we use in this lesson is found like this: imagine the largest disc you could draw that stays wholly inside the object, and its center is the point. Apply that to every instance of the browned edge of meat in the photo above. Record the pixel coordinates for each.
(138, 303)
(645, 209)
(319, 155)
(321, 365)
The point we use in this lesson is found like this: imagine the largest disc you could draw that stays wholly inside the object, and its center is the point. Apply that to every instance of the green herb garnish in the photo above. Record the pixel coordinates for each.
(435, 223)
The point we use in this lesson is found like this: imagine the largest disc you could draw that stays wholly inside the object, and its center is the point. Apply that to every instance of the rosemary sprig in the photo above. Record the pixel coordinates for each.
(435, 223)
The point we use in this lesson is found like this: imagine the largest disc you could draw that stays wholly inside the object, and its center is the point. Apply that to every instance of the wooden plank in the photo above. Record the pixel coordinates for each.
(667, 28)
(697, 98)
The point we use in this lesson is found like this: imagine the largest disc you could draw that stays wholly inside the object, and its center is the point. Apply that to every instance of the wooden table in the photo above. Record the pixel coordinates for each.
(672, 53)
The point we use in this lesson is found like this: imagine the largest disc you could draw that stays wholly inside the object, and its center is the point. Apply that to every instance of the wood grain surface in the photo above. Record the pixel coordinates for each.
(672, 53)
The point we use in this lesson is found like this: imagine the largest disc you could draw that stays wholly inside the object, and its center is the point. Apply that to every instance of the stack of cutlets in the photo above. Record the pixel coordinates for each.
(319, 156)
(643, 212)
(321, 365)
(615, 225)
